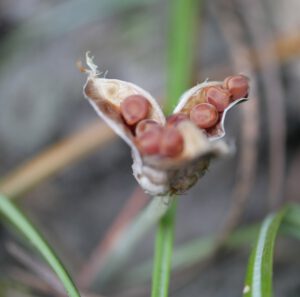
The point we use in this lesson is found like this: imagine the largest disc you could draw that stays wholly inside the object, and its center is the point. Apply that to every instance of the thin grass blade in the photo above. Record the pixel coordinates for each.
(16, 218)
(258, 281)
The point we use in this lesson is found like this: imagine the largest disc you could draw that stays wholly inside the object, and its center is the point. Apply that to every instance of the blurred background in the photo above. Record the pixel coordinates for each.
(41, 104)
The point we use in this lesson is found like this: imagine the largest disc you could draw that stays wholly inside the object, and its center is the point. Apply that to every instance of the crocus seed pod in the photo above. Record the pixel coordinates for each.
(238, 86)
(148, 142)
(171, 144)
(218, 97)
(167, 159)
(134, 109)
(146, 125)
(176, 118)
(204, 115)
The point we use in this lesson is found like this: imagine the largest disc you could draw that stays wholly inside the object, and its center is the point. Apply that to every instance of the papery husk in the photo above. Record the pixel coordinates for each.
(158, 175)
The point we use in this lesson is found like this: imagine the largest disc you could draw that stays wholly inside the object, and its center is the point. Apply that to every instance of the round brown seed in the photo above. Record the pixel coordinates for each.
(134, 109)
(238, 86)
(171, 144)
(175, 119)
(204, 115)
(218, 97)
(149, 141)
(146, 125)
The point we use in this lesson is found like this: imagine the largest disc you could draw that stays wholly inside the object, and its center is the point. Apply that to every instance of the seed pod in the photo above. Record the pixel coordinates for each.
(204, 115)
(134, 108)
(238, 86)
(146, 125)
(172, 143)
(166, 159)
(176, 118)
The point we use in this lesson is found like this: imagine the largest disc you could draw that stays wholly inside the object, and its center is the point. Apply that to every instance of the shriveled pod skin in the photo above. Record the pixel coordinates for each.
(163, 169)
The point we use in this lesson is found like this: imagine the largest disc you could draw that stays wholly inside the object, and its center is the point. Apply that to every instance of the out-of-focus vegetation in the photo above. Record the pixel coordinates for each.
(79, 191)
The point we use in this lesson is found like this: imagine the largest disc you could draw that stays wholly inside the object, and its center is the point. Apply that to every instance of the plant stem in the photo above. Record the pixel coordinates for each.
(163, 255)
(183, 15)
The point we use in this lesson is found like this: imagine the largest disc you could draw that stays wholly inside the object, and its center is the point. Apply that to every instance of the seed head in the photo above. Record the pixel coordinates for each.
(169, 155)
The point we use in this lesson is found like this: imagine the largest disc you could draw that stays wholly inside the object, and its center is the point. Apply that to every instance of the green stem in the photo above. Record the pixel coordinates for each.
(163, 255)
(183, 15)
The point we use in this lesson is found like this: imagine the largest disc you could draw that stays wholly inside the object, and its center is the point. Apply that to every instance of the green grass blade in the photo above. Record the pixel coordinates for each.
(163, 253)
(15, 217)
(260, 267)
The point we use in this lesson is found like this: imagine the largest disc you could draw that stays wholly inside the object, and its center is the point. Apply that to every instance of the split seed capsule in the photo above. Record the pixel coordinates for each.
(204, 115)
(134, 109)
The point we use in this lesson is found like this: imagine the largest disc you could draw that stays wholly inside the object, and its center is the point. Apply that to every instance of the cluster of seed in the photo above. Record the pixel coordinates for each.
(217, 98)
(154, 139)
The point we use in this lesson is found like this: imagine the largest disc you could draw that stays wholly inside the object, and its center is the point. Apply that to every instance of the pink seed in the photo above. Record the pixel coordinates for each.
(204, 115)
(175, 119)
(146, 125)
(148, 142)
(238, 86)
(134, 109)
(171, 143)
(218, 97)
